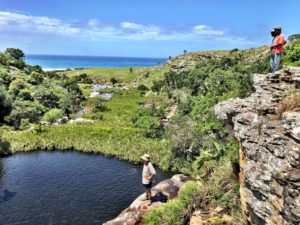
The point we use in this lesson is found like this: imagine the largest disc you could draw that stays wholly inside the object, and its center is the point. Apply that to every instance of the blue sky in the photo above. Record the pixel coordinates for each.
(141, 28)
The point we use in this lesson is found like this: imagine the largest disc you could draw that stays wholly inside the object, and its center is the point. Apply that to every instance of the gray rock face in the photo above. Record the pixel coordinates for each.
(133, 214)
(270, 149)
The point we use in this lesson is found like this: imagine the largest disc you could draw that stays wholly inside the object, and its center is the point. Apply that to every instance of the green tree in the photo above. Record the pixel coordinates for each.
(5, 104)
(15, 53)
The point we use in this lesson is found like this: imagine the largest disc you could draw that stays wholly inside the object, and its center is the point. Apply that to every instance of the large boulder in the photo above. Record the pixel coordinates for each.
(133, 214)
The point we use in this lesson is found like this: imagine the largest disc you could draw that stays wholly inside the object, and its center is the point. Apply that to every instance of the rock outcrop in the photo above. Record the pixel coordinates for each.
(269, 149)
(133, 214)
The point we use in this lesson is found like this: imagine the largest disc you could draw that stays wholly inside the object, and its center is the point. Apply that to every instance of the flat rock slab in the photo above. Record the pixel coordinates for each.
(166, 189)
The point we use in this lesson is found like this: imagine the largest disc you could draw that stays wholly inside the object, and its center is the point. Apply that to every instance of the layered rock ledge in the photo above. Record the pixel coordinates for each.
(133, 214)
(269, 148)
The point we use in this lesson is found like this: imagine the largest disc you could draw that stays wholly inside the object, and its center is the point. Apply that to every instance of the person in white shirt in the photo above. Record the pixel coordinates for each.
(147, 176)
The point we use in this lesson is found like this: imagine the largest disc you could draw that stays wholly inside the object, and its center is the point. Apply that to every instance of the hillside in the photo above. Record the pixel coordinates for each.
(166, 111)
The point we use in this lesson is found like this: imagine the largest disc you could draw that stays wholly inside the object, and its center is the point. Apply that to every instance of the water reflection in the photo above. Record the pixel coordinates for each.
(66, 188)
(7, 195)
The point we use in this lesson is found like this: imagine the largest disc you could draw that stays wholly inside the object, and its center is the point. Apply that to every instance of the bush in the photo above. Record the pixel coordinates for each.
(36, 78)
(96, 104)
(5, 79)
(25, 124)
(4, 147)
(157, 85)
(175, 211)
(142, 89)
(25, 109)
(292, 54)
(15, 87)
(5, 104)
(53, 115)
(47, 97)
(113, 81)
(3, 59)
(151, 125)
(25, 94)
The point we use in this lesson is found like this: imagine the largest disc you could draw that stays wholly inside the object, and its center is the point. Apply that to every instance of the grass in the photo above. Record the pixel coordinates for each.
(105, 74)
(290, 103)
(124, 143)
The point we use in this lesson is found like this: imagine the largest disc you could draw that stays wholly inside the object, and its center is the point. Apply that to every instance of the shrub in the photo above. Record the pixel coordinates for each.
(4, 146)
(3, 59)
(25, 124)
(142, 89)
(151, 126)
(113, 81)
(53, 115)
(157, 85)
(15, 87)
(96, 104)
(5, 79)
(174, 211)
(25, 109)
(292, 54)
(25, 94)
(5, 104)
(47, 97)
(36, 78)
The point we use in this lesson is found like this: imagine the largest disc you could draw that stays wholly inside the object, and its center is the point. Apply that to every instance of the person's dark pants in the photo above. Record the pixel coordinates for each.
(148, 186)
(275, 61)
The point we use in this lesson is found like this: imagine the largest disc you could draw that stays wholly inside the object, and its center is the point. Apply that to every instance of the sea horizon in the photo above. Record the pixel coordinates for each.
(63, 62)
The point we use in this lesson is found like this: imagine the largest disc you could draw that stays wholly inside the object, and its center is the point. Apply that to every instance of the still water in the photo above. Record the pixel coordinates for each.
(58, 188)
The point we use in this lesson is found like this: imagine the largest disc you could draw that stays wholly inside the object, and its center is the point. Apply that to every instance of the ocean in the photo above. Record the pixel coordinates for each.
(55, 62)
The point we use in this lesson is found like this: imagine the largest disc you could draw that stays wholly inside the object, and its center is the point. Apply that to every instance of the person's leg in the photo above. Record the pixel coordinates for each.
(149, 196)
(277, 61)
(149, 193)
(272, 63)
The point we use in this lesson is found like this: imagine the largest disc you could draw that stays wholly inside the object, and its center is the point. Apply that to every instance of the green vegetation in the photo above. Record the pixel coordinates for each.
(292, 52)
(53, 115)
(164, 111)
(175, 211)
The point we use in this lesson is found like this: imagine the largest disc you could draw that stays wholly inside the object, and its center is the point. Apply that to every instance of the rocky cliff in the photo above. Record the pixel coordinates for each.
(269, 137)
(167, 189)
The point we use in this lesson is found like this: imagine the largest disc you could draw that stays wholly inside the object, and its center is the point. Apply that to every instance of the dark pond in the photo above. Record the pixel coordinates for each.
(66, 188)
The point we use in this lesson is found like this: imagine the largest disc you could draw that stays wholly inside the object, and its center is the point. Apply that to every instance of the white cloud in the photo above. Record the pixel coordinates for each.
(206, 30)
(93, 29)
(132, 26)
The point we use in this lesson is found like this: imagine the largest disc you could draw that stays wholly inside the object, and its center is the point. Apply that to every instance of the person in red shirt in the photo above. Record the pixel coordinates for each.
(277, 48)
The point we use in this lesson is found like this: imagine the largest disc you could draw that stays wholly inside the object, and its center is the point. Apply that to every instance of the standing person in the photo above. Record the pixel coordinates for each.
(277, 48)
(147, 176)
